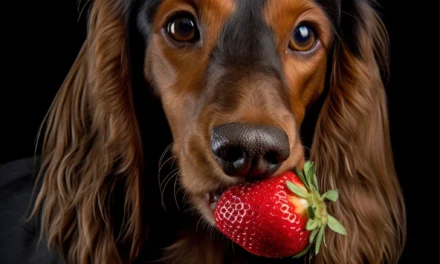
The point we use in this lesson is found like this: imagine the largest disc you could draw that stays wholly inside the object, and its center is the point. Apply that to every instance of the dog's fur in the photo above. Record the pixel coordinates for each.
(131, 92)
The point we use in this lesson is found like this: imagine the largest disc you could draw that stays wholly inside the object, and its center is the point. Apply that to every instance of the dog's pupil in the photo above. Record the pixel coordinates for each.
(183, 28)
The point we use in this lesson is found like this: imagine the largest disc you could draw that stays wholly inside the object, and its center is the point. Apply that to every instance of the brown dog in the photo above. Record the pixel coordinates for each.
(236, 81)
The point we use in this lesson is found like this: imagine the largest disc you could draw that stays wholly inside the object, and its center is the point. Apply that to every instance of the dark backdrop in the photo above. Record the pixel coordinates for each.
(42, 38)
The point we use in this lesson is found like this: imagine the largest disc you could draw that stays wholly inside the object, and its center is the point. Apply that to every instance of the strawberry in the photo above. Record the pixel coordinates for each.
(278, 217)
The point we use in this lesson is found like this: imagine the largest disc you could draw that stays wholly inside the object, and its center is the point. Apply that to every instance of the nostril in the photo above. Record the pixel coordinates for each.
(232, 154)
(272, 157)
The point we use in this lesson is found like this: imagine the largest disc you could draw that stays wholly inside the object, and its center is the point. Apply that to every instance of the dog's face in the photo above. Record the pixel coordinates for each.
(235, 79)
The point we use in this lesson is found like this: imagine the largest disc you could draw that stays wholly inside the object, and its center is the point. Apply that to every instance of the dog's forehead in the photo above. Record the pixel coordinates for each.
(246, 37)
(257, 7)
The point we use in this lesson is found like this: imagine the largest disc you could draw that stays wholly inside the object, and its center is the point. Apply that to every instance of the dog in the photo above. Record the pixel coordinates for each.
(211, 94)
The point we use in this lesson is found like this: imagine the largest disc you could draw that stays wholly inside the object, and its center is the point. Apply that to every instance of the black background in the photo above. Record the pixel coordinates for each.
(40, 40)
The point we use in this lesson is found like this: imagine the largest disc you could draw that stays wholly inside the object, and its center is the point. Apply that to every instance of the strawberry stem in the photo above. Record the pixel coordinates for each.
(319, 218)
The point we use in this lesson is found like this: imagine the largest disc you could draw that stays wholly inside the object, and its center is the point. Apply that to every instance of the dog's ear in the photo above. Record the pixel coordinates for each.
(89, 190)
(351, 145)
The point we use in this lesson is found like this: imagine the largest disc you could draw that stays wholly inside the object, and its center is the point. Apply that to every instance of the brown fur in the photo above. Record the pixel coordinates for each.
(92, 140)
(352, 150)
(90, 122)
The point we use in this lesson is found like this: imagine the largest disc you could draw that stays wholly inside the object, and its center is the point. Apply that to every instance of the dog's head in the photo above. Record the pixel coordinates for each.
(237, 80)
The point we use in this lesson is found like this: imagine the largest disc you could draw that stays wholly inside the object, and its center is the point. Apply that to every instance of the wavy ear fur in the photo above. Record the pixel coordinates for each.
(352, 148)
(92, 151)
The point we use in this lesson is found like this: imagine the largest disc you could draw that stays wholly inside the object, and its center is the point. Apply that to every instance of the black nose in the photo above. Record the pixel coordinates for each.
(249, 150)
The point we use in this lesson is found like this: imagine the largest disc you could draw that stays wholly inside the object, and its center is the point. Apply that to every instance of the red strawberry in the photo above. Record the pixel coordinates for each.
(278, 217)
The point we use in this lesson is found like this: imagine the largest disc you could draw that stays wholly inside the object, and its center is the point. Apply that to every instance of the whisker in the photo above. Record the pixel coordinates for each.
(174, 160)
(164, 152)
(188, 210)
(169, 176)
(165, 182)
(165, 162)
(192, 208)
(198, 222)
(160, 165)
(307, 150)
(175, 194)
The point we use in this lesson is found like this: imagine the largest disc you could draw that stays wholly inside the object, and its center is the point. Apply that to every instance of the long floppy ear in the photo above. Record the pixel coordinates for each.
(89, 189)
(352, 149)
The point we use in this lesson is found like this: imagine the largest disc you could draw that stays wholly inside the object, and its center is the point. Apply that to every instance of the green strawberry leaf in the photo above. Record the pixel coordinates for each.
(302, 253)
(307, 166)
(336, 226)
(310, 175)
(311, 224)
(315, 181)
(297, 190)
(302, 178)
(319, 239)
(331, 195)
(307, 169)
(313, 235)
(311, 212)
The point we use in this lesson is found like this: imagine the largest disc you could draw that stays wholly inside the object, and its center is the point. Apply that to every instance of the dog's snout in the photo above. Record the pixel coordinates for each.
(249, 150)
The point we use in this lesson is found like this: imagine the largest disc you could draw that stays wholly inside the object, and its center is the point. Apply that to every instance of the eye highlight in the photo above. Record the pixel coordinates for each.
(303, 38)
(183, 28)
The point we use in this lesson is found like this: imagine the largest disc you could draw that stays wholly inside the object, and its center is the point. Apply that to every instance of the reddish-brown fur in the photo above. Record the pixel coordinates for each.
(92, 139)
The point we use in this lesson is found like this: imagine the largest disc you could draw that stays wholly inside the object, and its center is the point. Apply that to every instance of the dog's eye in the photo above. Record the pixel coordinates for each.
(183, 28)
(303, 38)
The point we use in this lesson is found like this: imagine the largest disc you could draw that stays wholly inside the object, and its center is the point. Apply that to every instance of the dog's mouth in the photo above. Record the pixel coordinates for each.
(211, 198)
(206, 203)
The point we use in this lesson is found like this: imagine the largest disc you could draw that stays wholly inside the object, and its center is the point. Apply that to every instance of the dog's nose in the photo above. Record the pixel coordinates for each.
(249, 150)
